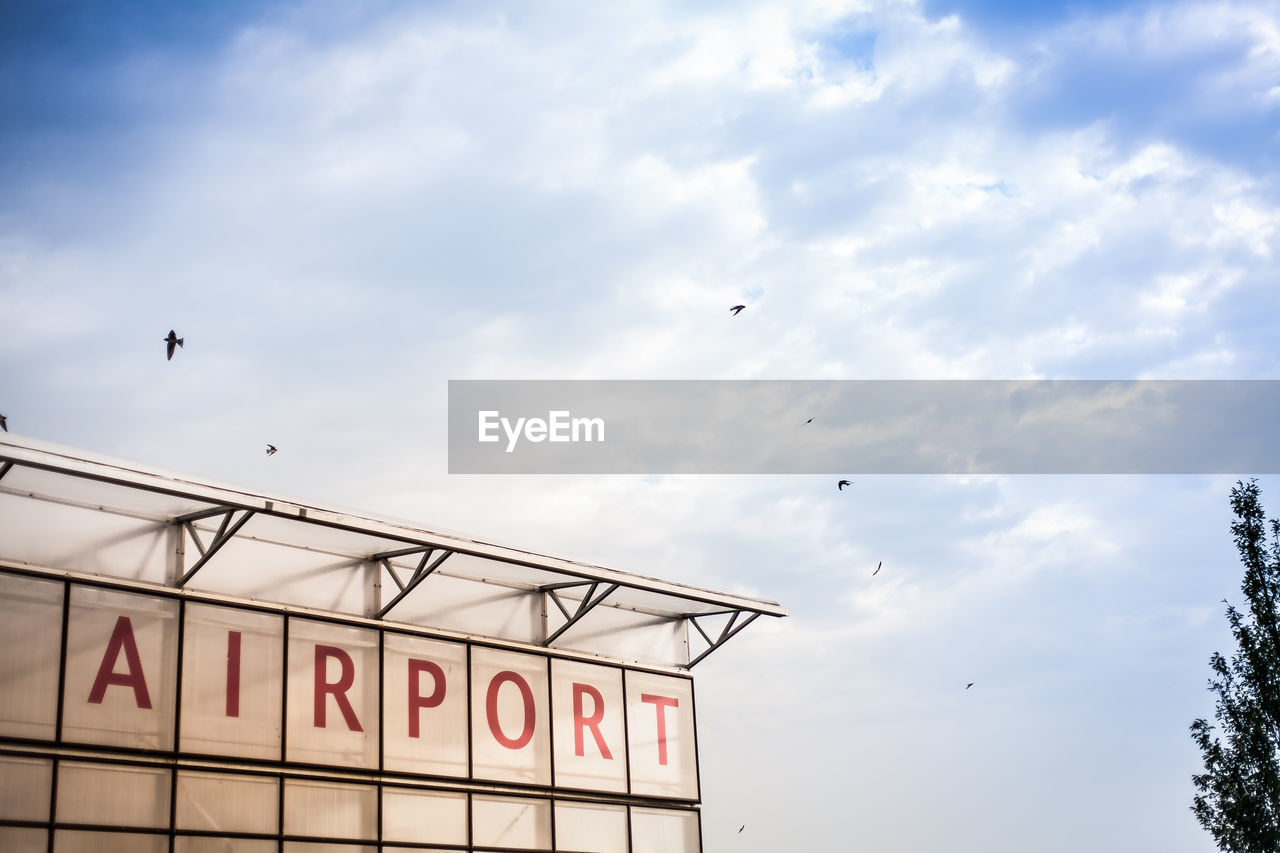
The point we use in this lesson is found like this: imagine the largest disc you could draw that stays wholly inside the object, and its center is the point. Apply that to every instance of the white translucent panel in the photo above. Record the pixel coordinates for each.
(312, 556)
(211, 844)
(590, 827)
(660, 736)
(79, 539)
(221, 802)
(624, 634)
(333, 694)
(588, 726)
(232, 681)
(21, 839)
(470, 606)
(88, 492)
(254, 568)
(113, 794)
(520, 822)
(510, 729)
(24, 788)
(122, 660)
(30, 646)
(77, 841)
(425, 705)
(425, 817)
(321, 847)
(330, 809)
(665, 831)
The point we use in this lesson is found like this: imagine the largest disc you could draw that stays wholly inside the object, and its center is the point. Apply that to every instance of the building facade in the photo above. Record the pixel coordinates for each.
(528, 704)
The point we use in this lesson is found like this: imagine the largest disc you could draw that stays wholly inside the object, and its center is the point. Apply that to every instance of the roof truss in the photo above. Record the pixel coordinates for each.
(585, 605)
(426, 565)
(403, 559)
(229, 527)
(730, 629)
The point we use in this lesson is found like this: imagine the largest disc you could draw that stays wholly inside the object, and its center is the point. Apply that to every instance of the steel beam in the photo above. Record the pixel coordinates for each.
(225, 532)
(727, 633)
(421, 573)
(584, 606)
(78, 464)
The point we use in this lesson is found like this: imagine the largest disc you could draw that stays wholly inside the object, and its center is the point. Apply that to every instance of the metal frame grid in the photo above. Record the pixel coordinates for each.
(57, 758)
(174, 760)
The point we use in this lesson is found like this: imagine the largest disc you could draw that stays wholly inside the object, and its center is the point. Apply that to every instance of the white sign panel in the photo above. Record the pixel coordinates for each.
(425, 709)
(122, 656)
(255, 684)
(333, 694)
(664, 756)
(510, 729)
(590, 736)
(233, 661)
(31, 637)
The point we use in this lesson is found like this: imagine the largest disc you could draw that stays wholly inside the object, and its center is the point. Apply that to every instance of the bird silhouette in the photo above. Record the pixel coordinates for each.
(967, 686)
(271, 449)
(173, 340)
(735, 309)
(807, 422)
(744, 826)
(840, 485)
(4, 423)
(877, 571)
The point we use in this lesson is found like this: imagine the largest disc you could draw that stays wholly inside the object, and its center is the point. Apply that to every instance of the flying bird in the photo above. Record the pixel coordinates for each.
(877, 571)
(967, 686)
(744, 826)
(840, 485)
(271, 449)
(807, 422)
(4, 423)
(735, 309)
(173, 340)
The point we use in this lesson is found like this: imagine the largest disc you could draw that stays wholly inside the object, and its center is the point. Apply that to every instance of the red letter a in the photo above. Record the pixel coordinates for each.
(121, 638)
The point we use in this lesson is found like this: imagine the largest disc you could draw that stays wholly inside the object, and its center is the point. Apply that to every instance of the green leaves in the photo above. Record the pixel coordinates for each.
(1238, 799)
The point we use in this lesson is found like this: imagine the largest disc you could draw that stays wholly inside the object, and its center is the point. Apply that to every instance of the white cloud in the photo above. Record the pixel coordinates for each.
(347, 222)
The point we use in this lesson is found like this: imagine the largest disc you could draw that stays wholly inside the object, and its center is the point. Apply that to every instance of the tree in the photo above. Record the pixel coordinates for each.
(1238, 798)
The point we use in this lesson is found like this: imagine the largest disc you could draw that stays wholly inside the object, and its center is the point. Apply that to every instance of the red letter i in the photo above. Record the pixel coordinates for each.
(233, 673)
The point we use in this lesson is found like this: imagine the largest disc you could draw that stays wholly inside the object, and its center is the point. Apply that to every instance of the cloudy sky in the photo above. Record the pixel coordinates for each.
(343, 205)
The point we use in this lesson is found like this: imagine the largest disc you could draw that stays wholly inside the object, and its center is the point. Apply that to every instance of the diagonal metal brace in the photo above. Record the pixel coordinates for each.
(188, 523)
(589, 601)
(694, 619)
(225, 531)
(421, 573)
(384, 559)
(726, 633)
(560, 604)
(5, 468)
(553, 588)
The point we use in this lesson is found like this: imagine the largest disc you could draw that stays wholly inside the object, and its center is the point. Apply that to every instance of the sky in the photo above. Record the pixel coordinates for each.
(343, 205)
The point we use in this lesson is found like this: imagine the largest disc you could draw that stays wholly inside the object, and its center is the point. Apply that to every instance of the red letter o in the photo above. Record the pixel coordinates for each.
(491, 709)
